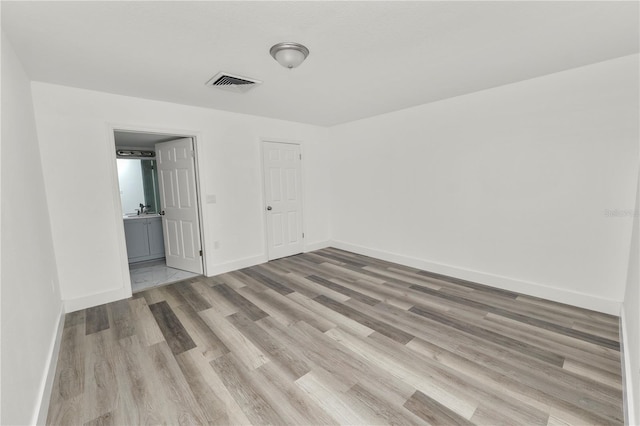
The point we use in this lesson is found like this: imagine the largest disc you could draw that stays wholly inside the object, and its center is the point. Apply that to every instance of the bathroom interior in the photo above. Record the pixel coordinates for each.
(141, 208)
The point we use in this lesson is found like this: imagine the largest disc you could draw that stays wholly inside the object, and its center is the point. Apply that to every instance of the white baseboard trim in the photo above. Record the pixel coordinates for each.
(236, 264)
(316, 246)
(71, 305)
(581, 300)
(627, 379)
(41, 411)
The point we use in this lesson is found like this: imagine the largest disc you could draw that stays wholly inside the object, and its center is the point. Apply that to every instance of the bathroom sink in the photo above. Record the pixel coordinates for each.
(140, 216)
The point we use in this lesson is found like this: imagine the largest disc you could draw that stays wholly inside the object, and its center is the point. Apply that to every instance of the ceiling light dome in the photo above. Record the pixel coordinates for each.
(289, 54)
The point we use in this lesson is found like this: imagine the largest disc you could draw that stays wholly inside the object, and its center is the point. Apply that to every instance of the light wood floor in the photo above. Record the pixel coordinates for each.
(331, 337)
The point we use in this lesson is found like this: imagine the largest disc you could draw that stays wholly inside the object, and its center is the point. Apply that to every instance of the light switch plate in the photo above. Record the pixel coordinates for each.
(211, 199)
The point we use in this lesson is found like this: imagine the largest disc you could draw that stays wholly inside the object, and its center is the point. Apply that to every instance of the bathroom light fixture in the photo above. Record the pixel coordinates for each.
(121, 153)
(289, 54)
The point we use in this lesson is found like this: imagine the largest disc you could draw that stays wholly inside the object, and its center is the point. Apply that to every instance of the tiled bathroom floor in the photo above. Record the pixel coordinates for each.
(145, 275)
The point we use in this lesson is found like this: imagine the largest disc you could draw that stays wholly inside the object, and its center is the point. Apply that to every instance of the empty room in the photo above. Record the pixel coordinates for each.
(320, 213)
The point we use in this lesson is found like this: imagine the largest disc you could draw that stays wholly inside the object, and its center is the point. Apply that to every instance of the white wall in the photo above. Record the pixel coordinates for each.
(74, 124)
(507, 186)
(31, 304)
(631, 319)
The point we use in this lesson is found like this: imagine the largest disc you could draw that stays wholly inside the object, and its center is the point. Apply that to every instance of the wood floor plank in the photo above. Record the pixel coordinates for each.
(207, 374)
(418, 376)
(68, 386)
(285, 310)
(598, 374)
(193, 298)
(325, 391)
(278, 353)
(141, 396)
(514, 344)
(246, 352)
(392, 294)
(122, 319)
(344, 290)
(232, 281)
(587, 352)
(608, 343)
(433, 412)
(459, 342)
(100, 386)
(329, 314)
(103, 420)
(499, 376)
(97, 319)
(213, 407)
(167, 294)
(406, 279)
(234, 377)
(207, 342)
(515, 402)
(310, 289)
(254, 312)
(487, 356)
(469, 284)
(345, 260)
(219, 304)
(364, 319)
(172, 329)
(147, 328)
(66, 412)
(267, 281)
(333, 337)
(379, 405)
(573, 311)
(290, 402)
(75, 318)
(181, 405)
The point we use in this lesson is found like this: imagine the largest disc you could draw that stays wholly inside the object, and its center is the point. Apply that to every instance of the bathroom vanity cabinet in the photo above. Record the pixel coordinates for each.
(144, 238)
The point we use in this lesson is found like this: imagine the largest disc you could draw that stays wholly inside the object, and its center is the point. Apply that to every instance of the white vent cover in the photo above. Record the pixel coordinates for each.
(232, 83)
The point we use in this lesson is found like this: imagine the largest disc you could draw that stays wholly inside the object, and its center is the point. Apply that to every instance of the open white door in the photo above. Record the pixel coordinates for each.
(179, 205)
(283, 197)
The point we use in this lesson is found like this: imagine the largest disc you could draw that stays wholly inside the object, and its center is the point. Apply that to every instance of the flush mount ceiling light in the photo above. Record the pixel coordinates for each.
(288, 54)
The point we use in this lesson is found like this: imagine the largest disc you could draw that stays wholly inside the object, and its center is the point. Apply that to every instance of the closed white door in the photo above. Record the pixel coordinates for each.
(283, 197)
(179, 205)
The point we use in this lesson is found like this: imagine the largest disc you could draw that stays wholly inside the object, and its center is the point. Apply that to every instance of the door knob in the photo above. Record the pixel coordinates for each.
(269, 208)
(162, 213)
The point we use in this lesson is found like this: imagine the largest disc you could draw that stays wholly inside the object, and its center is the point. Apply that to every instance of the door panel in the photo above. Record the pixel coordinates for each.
(166, 188)
(188, 240)
(283, 193)
(178, 201)
(172, 236)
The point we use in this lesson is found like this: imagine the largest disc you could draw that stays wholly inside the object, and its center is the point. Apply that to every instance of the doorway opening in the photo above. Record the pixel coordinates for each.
(160, 212)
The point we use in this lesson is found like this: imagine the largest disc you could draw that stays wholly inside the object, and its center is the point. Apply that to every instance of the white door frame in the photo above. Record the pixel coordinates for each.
(115, 185)
(262, 194)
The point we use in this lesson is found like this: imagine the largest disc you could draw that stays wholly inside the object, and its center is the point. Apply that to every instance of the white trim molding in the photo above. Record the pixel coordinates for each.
(72, 305)
(581, 300)
(42, 409)
(316, 246)
(236, 264)
(627, 374)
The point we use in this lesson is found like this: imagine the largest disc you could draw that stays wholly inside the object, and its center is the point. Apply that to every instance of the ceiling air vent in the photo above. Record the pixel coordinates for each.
(233, 83)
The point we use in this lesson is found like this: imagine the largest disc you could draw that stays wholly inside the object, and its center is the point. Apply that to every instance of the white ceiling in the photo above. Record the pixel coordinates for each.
(126, 139)
(366, 58)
